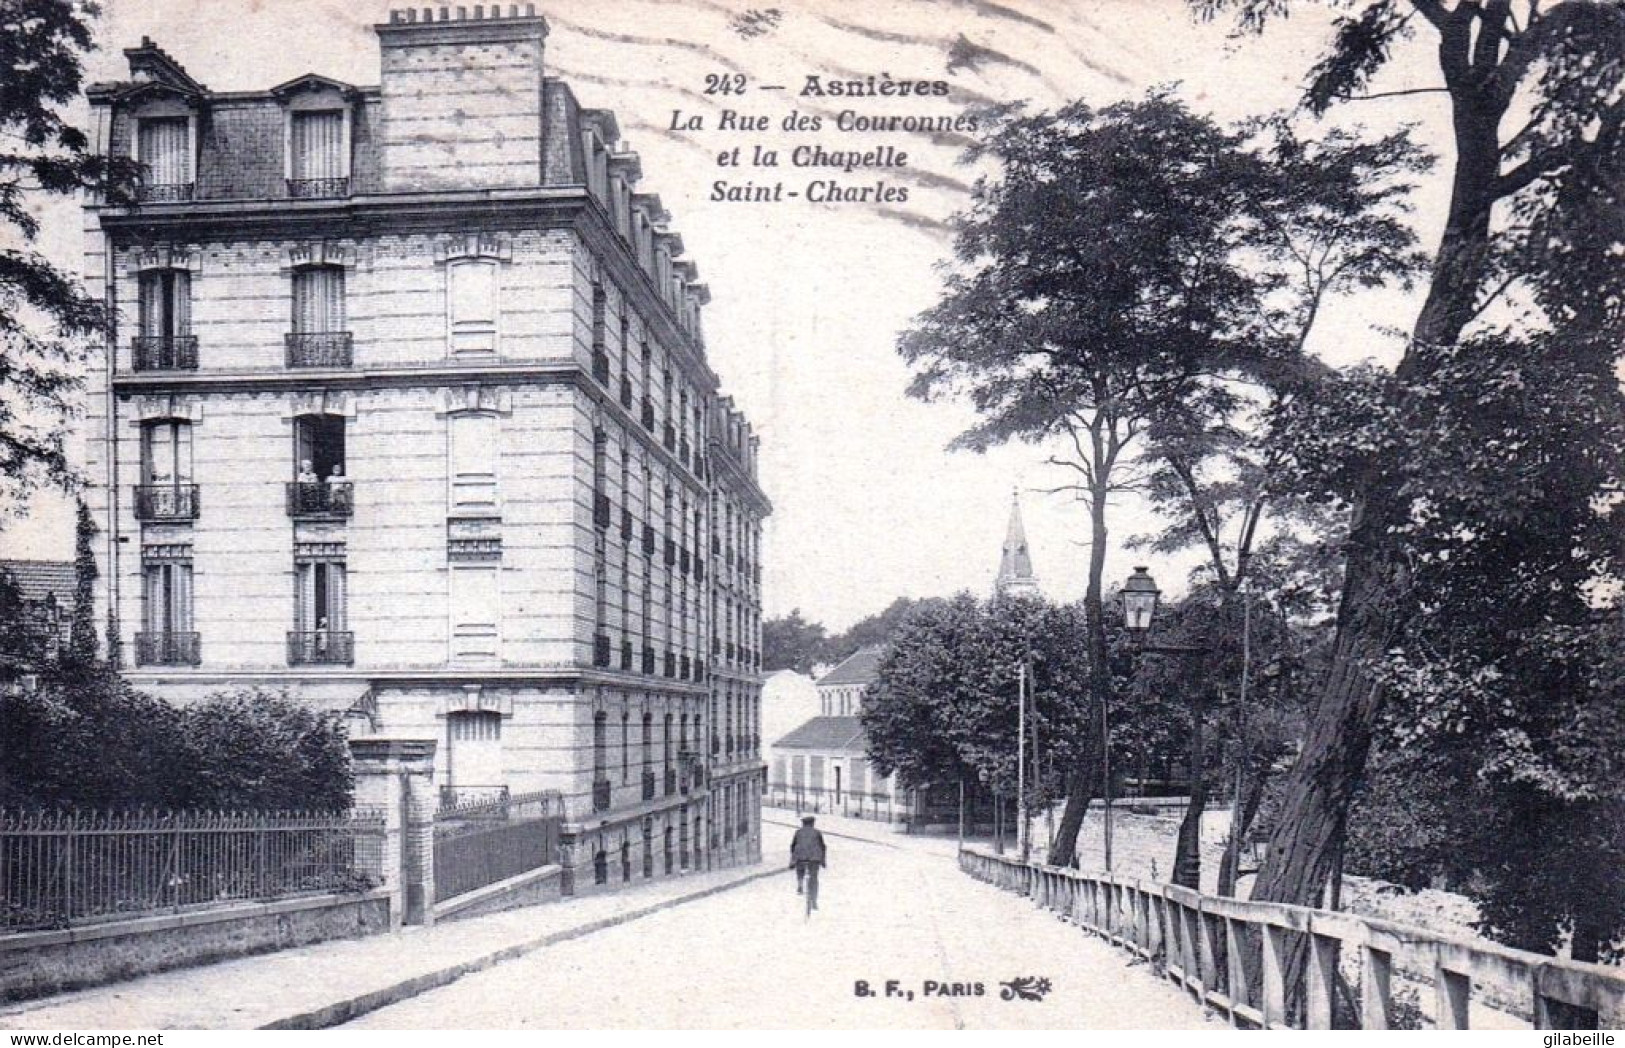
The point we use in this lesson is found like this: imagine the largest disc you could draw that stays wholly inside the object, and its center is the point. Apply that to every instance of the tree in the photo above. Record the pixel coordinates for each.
(1098, 279)
(44, 315)
(944, 709)
(1567, 62)
(792, 643)
(81, 649)
(875, 629)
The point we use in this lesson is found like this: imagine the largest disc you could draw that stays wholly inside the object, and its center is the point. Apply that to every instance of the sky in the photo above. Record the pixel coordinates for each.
(809, 299)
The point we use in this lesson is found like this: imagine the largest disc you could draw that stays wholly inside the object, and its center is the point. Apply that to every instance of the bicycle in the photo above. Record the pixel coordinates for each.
(807, 883)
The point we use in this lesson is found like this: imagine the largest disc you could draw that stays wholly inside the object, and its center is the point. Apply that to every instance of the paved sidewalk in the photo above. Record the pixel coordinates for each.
(327, 983)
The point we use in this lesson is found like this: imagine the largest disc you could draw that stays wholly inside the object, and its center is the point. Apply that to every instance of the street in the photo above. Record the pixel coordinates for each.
(894, 910)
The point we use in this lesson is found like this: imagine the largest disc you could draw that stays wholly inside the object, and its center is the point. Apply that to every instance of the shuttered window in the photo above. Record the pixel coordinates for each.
(318, 145)
(473, 461)
(475, 756)
(165, 149)
(475, 612)
(471, 302)
(318, 299)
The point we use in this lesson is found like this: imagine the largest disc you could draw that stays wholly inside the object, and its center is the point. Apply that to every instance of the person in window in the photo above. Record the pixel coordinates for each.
(807, 857)
(307, 473)
(336, 476)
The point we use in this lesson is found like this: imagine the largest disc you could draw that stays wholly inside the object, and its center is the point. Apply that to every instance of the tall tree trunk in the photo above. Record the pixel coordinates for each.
(1241, 824)
(1093, 761)
(1188, 848)
(1322, 782)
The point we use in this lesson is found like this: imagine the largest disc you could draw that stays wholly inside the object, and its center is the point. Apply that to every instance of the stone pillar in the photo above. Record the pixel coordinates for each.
(396, 777)
(567, 861)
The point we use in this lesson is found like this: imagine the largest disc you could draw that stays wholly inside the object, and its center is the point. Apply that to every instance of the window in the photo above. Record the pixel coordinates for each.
(321, 634)
(626, 747)
(648, 740)
(164, 148)
(600, 747)
(318, 300)
(475, 612)
(166, 303)
(471, 305)
(166, 452)
(474, 461)
(474, 750)
(319, 152)
(318, 451)
(168, 594)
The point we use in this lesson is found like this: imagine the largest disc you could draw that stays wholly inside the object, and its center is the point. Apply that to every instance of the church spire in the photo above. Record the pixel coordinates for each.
(1016, 576)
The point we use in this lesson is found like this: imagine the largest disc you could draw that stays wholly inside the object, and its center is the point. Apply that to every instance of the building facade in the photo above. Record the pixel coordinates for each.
(407, 411)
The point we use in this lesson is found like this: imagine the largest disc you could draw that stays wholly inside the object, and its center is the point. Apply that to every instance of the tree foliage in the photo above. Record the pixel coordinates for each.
(89, 740)
(45, 317)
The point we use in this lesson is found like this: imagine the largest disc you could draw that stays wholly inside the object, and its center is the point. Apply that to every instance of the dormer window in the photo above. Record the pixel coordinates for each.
(316, 116)
(319, 164)
(164, 148)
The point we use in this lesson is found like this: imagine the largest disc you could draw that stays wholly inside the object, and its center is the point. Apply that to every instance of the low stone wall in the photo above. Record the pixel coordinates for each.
(541, 885)
(36, 964)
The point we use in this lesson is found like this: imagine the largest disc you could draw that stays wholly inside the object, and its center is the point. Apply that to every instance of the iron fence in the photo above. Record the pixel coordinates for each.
(481, 841)
(61, 869)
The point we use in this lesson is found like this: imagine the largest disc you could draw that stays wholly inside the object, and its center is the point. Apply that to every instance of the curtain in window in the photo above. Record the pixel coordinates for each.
(321, 597)
(318, 300)
(166, 303)
(168, 598)
(166, 452)
(318, 145)
(164, 149)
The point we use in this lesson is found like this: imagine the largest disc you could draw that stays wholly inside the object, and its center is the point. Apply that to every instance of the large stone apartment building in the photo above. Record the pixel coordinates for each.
(407, 411)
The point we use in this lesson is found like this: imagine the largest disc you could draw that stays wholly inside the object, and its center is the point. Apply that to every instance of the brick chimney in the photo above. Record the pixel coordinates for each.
(462, 97)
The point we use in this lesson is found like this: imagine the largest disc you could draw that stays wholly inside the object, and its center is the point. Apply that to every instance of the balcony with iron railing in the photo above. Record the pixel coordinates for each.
(318, 188)
(164, 192)
(318, 349)
(321, 648)
(166, 502)
(331, 498)
(600, 795)
(167, 649)
(163, 353)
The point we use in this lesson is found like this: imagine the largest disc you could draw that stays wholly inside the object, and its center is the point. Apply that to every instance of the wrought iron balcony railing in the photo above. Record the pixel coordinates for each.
(156, 502)
(321, 498)
(164, 353)
(319, 349)
(164, 192)
(312, 188)
(321, 648)
(166, 649)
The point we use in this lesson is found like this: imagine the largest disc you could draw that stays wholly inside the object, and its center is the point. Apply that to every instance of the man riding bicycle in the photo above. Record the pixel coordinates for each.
(807, 856)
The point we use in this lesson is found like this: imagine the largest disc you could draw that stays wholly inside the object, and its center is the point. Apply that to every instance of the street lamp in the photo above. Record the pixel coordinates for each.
(1140, 595)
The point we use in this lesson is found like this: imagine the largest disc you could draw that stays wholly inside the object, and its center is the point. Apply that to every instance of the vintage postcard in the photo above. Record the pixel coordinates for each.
(741, 514)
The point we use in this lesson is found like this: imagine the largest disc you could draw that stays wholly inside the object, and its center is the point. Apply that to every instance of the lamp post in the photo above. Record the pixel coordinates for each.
(1021, 760)
(1140, 598)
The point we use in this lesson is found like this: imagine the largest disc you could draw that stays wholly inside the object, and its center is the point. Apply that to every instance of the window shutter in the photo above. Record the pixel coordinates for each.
(337, 597)
(152, 304)
(180, 302)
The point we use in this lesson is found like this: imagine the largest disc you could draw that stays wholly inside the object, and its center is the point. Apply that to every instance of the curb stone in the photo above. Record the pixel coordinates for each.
(355, 1007)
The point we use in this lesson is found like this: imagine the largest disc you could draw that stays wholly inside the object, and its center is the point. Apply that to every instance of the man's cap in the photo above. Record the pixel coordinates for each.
(806, 820)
